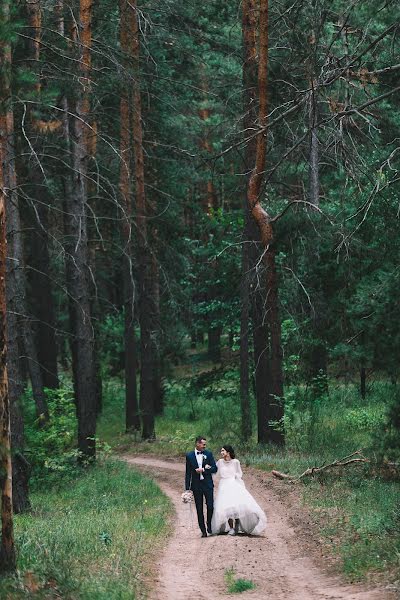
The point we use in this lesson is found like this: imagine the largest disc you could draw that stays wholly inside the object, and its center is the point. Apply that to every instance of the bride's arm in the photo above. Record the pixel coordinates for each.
(239, 473)
(214, 467)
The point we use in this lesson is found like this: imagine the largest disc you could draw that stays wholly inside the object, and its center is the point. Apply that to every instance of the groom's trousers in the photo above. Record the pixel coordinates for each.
(199, 495)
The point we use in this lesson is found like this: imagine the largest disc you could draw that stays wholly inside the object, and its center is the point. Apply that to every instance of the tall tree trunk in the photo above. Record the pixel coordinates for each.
(77, 260)
(148, 349)
(249, 97)
(314, 147)
(132, 417)
(209, 203)
(16, 288)
(246, 425)
(318, 357)
(42, 302)
(17, 280)
(274, 407)
(7, 548)
(20, 476)
(209, 197)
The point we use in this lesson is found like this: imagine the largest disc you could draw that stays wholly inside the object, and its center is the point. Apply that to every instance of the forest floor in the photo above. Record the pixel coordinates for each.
(286, 563)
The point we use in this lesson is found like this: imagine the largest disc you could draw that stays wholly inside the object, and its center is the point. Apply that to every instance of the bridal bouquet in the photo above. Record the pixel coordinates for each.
(187, 496)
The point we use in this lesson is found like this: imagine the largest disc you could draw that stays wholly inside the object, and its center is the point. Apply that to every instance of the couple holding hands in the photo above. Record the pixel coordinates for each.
(234, 509)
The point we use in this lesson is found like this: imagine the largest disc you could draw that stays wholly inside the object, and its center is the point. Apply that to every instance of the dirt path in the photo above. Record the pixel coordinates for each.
(278, 563)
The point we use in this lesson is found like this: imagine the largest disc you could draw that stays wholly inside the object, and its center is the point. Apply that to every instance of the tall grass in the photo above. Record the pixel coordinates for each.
(89, 538)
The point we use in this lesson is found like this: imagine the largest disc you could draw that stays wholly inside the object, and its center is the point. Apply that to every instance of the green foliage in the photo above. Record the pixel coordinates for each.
(236, 586)
(52, 448)
(359, 517)
(387, 440)
(111, 340)
(91, 539)
(363, 418)
(211, 399)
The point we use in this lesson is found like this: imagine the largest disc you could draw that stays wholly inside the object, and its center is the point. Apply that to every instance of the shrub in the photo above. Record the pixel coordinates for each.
(387, 439)
(51, 447)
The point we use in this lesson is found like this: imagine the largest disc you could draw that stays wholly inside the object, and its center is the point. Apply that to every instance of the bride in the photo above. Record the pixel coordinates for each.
(235, 508)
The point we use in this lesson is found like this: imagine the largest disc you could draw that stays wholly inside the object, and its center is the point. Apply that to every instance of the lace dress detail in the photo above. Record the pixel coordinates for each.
(233, 501)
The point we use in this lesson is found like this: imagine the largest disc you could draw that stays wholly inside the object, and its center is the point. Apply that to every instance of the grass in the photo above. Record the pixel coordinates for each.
(237, 585)
(359, 517)
(89, 538)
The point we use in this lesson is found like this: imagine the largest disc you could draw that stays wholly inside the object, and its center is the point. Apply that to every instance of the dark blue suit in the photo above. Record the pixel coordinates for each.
(202, 488)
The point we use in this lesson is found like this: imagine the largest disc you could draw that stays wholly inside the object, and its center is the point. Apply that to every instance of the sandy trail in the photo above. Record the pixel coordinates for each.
(278, 562)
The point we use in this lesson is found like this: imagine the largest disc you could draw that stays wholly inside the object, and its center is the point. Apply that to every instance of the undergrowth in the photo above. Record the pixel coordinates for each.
(91, 539)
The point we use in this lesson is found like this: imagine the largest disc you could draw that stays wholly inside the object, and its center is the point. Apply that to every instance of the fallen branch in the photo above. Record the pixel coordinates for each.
(355, 457)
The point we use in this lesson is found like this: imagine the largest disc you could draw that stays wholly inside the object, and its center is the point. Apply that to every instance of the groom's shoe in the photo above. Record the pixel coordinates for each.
(203, 534)
(209, 531)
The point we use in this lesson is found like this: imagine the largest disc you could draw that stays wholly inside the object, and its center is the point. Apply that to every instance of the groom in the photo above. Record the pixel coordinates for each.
(200, 465)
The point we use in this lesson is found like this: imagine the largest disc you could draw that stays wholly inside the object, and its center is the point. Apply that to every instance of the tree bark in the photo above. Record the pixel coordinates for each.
(41, 296)
(7, 547)
(16, 286)
(17, 280)
(148, 349)
(132, 416)
(214, 344)
(158, 388)
(314, 147)
(20, 476)
(363, 380)
(77, 260)
(249, 97)
(268, 430)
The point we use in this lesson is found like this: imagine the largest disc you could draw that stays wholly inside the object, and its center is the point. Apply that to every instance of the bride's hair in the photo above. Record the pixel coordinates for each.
(230, 450)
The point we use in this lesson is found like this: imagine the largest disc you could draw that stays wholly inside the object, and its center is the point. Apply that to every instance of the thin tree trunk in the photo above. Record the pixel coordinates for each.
(158, 389)
(214, 344)
(132, 417)
(314, 148)
(318, 354)
(209, 197)
(249, 96)
(7, 548)
(148, 350)
(363, 380)
(78, 275)
(42, 300)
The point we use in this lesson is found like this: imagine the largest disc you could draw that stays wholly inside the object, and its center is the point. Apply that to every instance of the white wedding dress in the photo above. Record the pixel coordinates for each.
(233, 501)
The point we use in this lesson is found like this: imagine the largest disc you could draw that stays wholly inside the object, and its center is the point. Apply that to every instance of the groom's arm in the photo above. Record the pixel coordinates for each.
(187, 474)
(213, 466)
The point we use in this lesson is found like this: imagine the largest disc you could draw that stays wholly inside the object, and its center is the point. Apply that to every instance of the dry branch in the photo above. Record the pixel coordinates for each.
(355, 457)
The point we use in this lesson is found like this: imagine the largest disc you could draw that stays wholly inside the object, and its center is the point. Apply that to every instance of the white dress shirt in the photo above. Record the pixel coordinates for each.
(199, 458)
